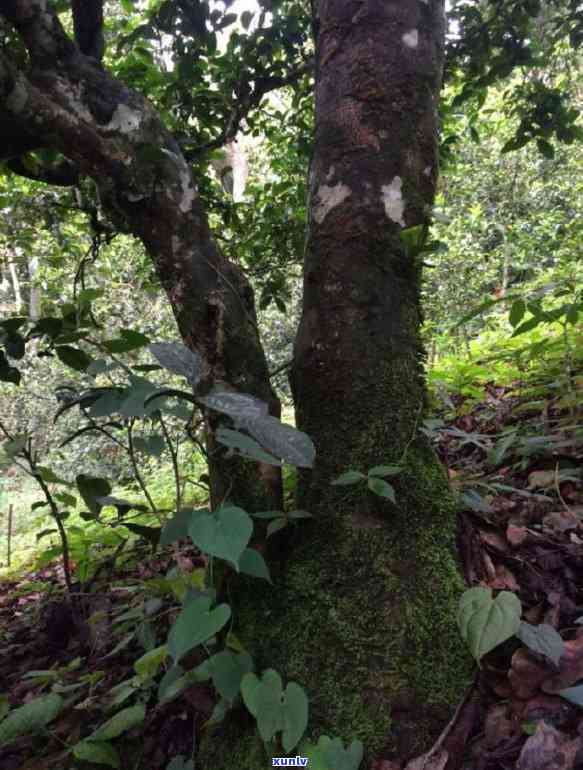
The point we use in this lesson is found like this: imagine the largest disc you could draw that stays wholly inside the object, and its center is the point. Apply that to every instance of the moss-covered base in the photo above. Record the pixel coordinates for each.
(363, 617)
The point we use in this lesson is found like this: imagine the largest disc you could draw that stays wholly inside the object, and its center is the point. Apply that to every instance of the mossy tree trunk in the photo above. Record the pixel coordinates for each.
(363, 609)
(378, 646)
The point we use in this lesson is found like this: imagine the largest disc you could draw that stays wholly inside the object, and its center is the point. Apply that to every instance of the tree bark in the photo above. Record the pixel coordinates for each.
(363, 610)
(115, 136)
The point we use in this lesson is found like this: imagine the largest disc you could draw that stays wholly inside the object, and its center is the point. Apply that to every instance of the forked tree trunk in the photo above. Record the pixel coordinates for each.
(363, 613)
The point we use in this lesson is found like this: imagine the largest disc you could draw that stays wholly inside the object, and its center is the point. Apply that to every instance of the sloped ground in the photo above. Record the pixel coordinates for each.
(516, 458)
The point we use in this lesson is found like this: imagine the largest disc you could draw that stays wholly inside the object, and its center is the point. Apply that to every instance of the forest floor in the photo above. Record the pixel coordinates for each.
(516, 459)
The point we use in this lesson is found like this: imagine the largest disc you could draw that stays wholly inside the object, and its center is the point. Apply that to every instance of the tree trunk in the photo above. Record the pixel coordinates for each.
(115, 136)
(363, 611)
(385, 574)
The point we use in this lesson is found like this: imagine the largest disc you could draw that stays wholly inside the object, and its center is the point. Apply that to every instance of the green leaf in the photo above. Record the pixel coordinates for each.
(12, 448)
(276, 525)
(224, 534)
(149, 664)
(543, 639)
(350, 477)
(295, 715)
(275, 709)
(73, 357)
(284, 441)
(177, 358)
(152, 445)
(517, 312)
(128, 340)
(91, 488)
(177, 527)
(385, 470)
(528, 326)
(123, 721)
(484, 622)
(246, 445)
(252, 563)
(100, 753)
(30, 718)
(545, 148)
(382, 488)
(227, 670)
(151, 534)
(48, 475)
(195, 624)
(239, 406)
(330, 754)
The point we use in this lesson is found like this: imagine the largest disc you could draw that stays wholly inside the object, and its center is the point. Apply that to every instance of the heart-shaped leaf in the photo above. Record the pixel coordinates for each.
(485, 622)
(224, 534)
(252, 563)
(195, 624)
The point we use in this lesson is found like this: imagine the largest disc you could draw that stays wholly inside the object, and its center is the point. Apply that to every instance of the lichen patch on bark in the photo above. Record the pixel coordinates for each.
(327, 198)
(393, 201)
(125, 120)
(411, 38)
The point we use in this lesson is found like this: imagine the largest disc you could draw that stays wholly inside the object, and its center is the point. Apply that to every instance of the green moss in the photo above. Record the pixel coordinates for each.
(364, 619)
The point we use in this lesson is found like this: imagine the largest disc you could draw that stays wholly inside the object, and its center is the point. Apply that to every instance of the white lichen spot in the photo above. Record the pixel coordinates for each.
(188, 191)
(393, 200)
(411, 38)
(330, 174)
(125, 119)
(328, 198)
(427, 170)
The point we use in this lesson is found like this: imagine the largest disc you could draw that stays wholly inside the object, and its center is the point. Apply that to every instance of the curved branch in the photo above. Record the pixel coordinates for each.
(65, 174)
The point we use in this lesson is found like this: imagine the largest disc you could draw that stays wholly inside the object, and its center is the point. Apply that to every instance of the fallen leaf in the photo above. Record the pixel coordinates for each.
(516, 535)
(561, 521)
(541, 479)
(546, 749)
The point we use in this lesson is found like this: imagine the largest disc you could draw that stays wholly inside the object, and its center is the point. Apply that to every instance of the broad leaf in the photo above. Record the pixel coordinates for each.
(239, 406)
(284, 441)
(177, 527)
(275, 709)
(97, 752)
(150, 663)
(382, 488)
(543, 639)
(330, 754)
(195, 624)
(123, 721)
(74, 357)
(246, 445)
(30, 718)
(128, 339)
(485, 622)
(91, 489)
(227, 670)
(224, 534)
(177, 358)
(347, 478)
(252, 563)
